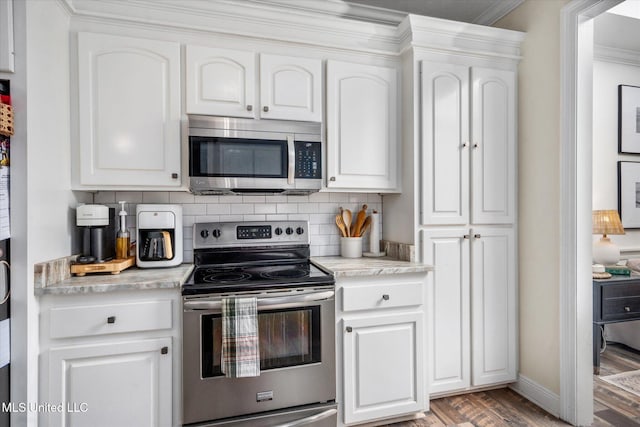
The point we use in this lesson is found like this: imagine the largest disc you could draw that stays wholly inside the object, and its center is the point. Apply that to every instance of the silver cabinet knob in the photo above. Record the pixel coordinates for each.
(349, 329)
(465, 144)
(466, 236)
(627, 309)
(111, 319)
(475, 145)
(385, 297)
(249, 107)
(265, 109)
(174, 176)
(476, 236)
(333, 178)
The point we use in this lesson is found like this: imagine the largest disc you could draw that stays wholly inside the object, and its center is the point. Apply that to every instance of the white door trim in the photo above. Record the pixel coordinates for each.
(576, 382)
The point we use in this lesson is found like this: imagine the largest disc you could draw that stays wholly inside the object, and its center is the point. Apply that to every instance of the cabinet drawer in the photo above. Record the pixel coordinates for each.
(620, 302)
(387, 295)
(110, 318)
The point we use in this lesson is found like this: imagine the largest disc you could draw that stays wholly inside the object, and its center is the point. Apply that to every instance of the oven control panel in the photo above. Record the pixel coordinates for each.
(232, 234)
(253, 232)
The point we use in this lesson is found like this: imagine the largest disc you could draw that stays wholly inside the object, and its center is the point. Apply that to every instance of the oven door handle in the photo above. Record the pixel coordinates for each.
(263, 302)
(312, 419)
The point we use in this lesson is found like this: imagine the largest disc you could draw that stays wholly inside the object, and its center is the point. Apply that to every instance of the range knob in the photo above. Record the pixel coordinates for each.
(278, 231)
(300, 230)
(289, 230)
(204, 234)
(216, 233)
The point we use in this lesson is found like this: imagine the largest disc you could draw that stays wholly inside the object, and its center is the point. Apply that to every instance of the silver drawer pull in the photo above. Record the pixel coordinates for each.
(627, 309)
(385, 297)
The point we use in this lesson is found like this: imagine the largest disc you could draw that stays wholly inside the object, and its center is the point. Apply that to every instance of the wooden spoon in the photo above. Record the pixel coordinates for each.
(357, 226)
(346, 217)
(341, 226)
(365, 226)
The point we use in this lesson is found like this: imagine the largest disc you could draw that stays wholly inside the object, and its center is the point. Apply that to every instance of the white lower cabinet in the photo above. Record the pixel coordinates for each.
(111, 359)
(380, 347)
(112, 384)
(472, 332)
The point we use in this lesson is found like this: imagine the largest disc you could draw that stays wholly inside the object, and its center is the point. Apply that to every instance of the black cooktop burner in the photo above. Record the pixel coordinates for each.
(212, 279)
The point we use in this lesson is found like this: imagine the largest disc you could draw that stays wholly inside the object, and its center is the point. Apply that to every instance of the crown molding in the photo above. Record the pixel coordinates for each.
(493, 14)
(443, 35)
(323, 24)
(616, 55)
(249, 18)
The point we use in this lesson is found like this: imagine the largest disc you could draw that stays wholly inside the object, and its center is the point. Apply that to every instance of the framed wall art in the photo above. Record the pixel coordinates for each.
(628, 119)
(629, 194)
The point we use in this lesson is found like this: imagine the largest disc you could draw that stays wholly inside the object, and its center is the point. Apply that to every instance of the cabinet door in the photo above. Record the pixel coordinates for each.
(221, 82)
(445, 144)
(290, 88)
(116, 384)
(129, 111)
(362, 136)
(447, 308)
(493, 306)
(493, 146)
(383, 362)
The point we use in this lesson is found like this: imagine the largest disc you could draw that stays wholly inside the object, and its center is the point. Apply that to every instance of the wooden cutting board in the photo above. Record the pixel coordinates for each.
(114, 266)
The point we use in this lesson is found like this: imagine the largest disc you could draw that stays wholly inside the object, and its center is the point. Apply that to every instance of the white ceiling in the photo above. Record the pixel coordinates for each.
(483, 12)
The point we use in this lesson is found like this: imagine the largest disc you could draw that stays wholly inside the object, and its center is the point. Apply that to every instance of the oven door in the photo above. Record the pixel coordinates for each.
(297, 355)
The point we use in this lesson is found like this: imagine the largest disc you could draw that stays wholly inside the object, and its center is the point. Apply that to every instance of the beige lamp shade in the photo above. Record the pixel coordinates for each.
(607, 222)
(604, 250)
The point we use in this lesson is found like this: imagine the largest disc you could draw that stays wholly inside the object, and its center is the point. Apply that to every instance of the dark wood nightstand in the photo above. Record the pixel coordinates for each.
(614, 300)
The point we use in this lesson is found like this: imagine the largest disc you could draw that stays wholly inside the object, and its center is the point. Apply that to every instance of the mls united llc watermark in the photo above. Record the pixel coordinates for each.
(21, 407)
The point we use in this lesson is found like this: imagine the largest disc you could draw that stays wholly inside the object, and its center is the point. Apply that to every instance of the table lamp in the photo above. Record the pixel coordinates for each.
(604, 250)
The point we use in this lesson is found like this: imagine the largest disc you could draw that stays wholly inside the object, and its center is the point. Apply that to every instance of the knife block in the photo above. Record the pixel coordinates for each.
(158, 235)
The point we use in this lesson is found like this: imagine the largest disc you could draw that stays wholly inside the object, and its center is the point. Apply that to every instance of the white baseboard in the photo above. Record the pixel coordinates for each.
(538, 394)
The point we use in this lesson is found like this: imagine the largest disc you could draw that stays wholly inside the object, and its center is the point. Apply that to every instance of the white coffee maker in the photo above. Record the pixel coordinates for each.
(158, 235)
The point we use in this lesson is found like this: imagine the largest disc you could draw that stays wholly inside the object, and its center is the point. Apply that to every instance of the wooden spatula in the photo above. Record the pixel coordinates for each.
(341, 226)
(359, 222)
(365, 226)
(346, 217)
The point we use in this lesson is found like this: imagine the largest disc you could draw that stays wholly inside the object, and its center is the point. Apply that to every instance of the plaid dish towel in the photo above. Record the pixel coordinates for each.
(240, 341)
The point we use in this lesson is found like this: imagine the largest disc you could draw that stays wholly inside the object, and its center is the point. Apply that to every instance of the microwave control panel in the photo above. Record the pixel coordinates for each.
(308, 160)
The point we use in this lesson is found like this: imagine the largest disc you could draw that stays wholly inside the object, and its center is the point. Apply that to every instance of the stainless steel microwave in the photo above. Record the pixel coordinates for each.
(231, 155)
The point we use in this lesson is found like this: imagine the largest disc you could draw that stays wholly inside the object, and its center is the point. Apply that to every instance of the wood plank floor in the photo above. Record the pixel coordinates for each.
(504, 407)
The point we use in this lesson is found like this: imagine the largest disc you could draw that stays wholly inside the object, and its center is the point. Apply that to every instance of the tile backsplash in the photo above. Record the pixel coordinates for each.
(319, 209)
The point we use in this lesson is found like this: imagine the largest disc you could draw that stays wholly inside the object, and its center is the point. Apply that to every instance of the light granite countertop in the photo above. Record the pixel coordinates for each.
(130, 279)
(349, 267)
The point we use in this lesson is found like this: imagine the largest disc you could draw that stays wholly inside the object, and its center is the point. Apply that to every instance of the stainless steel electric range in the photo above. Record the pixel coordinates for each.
(296, 319)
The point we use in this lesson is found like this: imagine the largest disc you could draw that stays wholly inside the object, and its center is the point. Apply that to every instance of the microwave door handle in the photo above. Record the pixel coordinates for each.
(263, 302)
(291, 148)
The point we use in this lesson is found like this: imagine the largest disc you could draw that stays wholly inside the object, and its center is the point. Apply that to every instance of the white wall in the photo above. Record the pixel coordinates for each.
(539, 188)
(606, 78)
(607, 75)
(40, 178)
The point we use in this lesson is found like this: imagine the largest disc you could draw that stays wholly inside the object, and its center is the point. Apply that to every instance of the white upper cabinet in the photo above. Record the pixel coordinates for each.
(129, 112)
(494, 149)
(290, 88)
(445, 143)
(225, 82)
(220, 82)
(459, 135)
(362, 133)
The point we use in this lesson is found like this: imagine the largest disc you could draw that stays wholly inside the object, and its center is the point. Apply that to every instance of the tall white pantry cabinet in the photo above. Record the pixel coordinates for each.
(464, 181)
